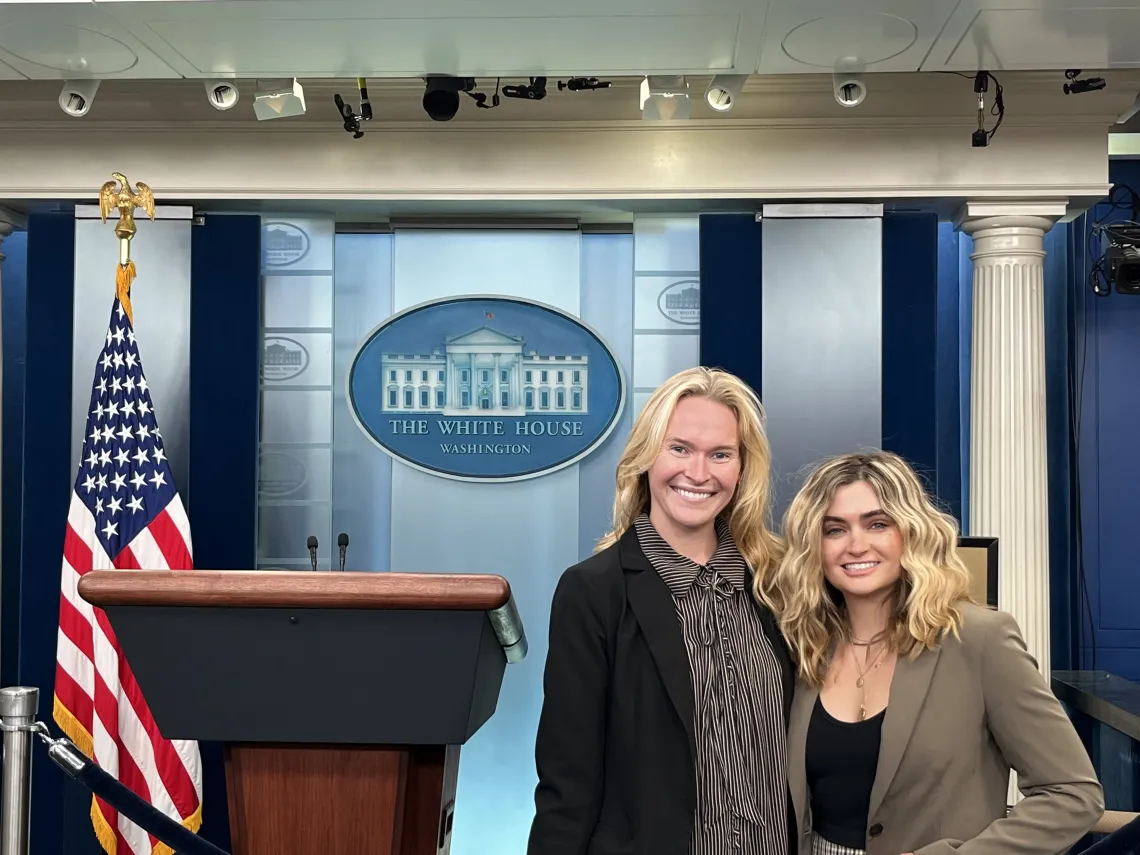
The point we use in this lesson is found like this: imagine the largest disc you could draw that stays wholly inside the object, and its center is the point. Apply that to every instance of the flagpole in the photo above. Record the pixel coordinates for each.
(125, 199)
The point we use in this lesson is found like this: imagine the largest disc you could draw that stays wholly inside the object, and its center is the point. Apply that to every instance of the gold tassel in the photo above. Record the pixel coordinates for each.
(124, 276)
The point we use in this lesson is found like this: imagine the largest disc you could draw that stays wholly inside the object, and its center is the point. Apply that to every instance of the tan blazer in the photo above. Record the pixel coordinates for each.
(959, 717)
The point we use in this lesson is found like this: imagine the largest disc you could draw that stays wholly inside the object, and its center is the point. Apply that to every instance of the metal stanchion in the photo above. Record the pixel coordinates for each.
(18, 708)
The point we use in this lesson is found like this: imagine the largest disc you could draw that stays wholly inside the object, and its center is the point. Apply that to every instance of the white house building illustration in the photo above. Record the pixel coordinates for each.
(485, 373)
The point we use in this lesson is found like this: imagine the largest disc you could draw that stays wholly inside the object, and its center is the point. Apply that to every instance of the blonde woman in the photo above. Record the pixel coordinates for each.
(912, 703)
(663, 724)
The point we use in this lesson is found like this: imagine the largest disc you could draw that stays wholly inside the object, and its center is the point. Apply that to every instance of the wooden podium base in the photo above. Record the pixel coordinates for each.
(363, 800)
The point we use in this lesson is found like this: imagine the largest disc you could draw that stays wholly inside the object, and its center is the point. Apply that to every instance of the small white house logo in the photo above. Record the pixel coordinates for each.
(283, 244)
(283, 359)
(680, 302)
(279, 474)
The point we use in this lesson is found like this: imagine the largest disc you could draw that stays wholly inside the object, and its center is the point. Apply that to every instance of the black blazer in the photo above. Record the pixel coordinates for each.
(615, 749)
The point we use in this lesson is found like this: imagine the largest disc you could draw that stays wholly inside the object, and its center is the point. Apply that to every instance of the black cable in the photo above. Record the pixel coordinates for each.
(998, 106)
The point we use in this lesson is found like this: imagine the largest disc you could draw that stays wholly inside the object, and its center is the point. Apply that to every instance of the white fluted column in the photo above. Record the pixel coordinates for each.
(1009, 486)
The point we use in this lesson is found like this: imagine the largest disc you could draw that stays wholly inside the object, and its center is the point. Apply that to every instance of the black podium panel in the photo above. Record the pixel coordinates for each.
(312, 675)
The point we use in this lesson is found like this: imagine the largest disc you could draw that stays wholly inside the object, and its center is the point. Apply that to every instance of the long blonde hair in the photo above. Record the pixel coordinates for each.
(934, 581)
(747, 511)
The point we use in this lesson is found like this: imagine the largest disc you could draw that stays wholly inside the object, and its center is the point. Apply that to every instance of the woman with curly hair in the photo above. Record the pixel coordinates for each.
(912, 703)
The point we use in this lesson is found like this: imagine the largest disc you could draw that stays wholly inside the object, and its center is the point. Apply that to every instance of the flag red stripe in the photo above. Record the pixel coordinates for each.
(170, 542)
(131, 776)
(77, 701)
(76, 552)
(76, 627)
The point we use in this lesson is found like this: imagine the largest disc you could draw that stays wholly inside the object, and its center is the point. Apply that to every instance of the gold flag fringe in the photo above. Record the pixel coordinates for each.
(124, 276)
(105, 834)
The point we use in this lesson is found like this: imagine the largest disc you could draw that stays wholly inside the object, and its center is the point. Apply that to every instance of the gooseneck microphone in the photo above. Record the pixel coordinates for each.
(312, 544)
(342, 544)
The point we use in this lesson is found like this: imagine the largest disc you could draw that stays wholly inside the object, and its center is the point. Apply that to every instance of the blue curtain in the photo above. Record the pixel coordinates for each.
(225, 360)
(731, 289)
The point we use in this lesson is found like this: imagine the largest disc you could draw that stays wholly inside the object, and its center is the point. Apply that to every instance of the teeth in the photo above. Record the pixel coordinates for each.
(867, 565)
(689, 494)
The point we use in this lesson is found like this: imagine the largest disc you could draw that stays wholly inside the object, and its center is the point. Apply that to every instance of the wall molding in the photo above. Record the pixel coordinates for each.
(786, 140)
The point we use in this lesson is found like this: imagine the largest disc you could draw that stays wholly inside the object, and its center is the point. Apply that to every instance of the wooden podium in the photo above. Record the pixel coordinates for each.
(341, 698)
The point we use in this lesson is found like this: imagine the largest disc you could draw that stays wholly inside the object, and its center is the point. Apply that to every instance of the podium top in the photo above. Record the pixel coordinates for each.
(286, 589)
(213, 650)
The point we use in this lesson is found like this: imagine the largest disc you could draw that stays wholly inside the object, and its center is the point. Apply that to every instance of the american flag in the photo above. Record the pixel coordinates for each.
(125, 513)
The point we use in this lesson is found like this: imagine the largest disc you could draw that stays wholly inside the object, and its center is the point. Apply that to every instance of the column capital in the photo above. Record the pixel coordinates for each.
(984, 214)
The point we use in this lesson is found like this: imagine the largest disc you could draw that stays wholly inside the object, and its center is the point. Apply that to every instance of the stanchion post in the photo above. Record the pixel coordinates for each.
(18, 708)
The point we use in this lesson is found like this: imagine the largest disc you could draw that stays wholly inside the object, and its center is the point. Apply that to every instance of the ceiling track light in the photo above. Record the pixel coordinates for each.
(76, 97)
(847, 82)
(222, 94)
(724, 91)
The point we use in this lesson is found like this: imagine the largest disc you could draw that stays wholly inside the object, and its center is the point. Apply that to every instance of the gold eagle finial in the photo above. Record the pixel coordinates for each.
(126, 200)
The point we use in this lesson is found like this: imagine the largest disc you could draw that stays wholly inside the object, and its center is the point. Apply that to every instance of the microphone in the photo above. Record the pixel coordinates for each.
(342, 544)
(312, 544)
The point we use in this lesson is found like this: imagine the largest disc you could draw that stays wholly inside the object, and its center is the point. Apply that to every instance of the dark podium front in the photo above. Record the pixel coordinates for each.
(342, 698)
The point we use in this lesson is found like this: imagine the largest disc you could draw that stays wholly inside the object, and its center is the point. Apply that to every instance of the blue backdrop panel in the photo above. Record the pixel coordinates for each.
(965, 354)
(15, 317)
(225, 343)
(731, 289)
(60, 807)
(1062, 557)
(910, 341)
(948, 377)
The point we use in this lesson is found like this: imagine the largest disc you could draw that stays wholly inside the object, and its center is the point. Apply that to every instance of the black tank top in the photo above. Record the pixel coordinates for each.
(840, 763)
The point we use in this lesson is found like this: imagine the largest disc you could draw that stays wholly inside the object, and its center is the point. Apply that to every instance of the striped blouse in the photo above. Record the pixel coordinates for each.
(741, 760)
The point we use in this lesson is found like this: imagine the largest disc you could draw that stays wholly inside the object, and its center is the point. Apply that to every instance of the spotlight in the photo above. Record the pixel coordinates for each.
(1077, 87)
(724, 90)
(849, 89)
(665, 97)
(221, 94)
(76, 97)
(441, 96)
(276, 99)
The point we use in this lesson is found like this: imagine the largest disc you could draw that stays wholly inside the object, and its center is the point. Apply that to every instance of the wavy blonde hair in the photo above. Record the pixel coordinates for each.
(934, 581)
(747, 511)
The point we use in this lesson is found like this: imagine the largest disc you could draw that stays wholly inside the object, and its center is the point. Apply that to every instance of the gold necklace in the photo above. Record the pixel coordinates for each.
(860, 681)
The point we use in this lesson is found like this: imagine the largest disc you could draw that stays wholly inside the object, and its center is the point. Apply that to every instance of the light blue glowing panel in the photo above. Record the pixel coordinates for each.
(326, 476)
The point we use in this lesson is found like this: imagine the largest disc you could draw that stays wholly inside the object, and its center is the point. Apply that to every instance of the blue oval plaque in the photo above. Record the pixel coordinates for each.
(485, 388)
